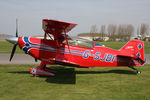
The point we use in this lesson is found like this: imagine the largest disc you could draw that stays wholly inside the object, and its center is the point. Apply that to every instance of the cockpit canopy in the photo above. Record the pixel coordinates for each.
(75, 41)
(80, 42)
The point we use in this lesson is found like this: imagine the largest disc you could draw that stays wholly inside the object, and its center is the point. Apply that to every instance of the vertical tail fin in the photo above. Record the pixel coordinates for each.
(134, 49)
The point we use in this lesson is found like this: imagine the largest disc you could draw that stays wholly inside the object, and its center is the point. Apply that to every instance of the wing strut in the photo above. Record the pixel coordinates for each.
(67, 42)
(47, 34)
(66, 38)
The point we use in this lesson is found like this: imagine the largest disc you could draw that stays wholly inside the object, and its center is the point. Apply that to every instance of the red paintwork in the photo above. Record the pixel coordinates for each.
(56, 52)
(50, 56)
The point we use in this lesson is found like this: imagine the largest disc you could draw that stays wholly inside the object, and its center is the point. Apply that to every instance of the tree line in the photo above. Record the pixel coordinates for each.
(122, 32)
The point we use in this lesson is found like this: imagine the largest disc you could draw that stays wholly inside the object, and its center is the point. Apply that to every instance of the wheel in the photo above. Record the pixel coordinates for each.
(138, 72)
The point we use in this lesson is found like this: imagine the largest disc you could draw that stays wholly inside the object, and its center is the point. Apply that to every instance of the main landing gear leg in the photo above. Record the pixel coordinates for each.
(42, 70)
(137, 71)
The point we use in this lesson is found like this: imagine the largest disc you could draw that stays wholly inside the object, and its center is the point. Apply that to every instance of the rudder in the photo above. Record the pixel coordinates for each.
(134, 49)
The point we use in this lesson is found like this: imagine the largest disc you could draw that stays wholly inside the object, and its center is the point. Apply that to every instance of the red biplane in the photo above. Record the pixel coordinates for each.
(57, 48)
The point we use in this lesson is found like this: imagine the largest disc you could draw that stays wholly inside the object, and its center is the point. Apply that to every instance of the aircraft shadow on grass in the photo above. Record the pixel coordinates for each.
(68, 75)
(105, 72)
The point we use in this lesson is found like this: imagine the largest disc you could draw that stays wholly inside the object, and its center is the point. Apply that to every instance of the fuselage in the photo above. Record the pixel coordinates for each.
(60, 49)
(49, 50)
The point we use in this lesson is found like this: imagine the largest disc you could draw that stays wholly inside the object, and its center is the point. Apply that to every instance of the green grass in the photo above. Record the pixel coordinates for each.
(6, 47)
(74, 84)
(147, 47)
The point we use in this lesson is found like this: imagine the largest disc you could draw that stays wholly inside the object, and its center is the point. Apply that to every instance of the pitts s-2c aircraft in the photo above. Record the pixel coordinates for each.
(56, 48)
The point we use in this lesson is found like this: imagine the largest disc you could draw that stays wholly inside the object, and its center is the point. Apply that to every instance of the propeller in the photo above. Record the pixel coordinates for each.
(16, 27)
(13, 40)
(13, 51)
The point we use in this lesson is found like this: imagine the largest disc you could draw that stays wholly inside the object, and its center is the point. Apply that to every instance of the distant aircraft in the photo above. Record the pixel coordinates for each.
(55, 48)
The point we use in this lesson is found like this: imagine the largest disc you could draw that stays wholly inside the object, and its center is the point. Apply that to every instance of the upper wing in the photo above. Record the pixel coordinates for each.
(57, 28)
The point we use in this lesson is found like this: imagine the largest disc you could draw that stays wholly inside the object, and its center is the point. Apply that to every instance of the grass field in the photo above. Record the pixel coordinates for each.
(74, 84)
(6, 47)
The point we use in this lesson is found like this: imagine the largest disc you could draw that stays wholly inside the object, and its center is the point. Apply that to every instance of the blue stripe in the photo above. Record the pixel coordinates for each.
(72, 53)
(71, 50)
(44, 49)
(65, 52)
(26, 39)
(76, 54)
(26, 49)
(76, 51)
(62, 50)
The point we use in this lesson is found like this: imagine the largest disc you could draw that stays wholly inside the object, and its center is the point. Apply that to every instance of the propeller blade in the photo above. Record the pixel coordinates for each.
(16, 27)
(13, 51)
(14, 40)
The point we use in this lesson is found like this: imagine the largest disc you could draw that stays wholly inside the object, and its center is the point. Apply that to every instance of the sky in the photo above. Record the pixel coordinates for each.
(85, 13)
